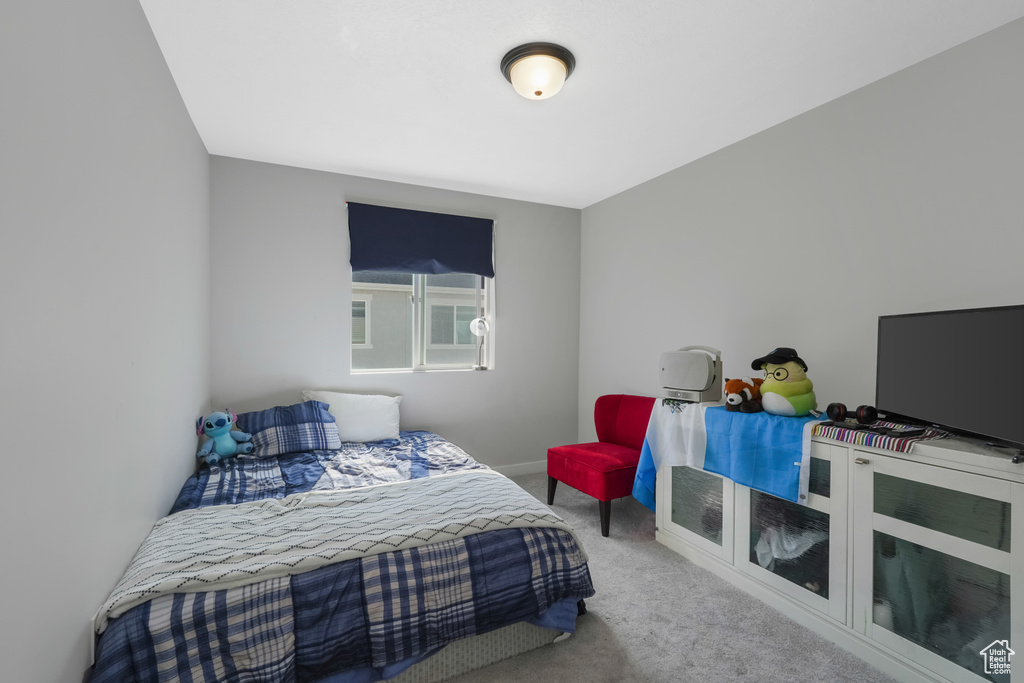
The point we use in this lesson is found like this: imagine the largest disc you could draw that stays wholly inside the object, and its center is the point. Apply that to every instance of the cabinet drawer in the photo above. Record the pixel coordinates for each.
(965, 515)
(800, 549)
(935, 565)
(791, 541)
(697, 500)
(697, 507)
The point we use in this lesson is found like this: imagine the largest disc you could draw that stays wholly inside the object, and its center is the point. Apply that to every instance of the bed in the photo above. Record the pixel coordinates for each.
(345, 562)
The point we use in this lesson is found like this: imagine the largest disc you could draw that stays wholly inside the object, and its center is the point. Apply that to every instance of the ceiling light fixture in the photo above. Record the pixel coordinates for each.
(537, 70)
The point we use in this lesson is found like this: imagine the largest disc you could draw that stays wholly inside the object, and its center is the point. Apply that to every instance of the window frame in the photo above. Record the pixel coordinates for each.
(367, 343)
(428, 334)
(420, 300)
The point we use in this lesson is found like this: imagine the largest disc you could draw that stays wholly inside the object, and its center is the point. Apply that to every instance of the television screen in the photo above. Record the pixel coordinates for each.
(963, 370)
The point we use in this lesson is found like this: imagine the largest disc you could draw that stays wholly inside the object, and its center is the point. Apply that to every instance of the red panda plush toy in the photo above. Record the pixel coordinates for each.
(743, 395)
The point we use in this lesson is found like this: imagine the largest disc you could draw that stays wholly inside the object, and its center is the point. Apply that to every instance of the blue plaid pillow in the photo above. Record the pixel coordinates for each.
(297, 428)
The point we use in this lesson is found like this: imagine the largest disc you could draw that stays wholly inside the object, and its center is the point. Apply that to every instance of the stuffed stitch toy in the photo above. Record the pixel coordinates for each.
(223, 443)
(743, 395)
(786, 389)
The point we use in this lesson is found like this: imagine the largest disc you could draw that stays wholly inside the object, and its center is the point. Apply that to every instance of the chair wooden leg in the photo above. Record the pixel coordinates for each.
(606, 513)
(552, 483)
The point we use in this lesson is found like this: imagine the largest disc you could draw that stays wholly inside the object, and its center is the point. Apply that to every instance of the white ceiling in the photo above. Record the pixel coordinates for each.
(411, 91)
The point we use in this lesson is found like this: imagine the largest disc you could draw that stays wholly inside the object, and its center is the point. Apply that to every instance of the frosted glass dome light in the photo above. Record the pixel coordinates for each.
(537, 77)
(537, 70)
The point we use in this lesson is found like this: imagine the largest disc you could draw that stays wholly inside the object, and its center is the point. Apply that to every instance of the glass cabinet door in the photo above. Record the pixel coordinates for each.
(800, 550)
(934, 551)
(697, 507)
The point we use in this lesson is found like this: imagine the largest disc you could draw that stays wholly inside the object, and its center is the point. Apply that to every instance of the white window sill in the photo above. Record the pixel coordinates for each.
(409, 371)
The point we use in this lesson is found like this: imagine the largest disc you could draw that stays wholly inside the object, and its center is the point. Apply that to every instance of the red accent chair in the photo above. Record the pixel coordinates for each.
(606, 469)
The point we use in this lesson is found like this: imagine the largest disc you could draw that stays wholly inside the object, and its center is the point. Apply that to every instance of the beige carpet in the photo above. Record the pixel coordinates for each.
(658, 617)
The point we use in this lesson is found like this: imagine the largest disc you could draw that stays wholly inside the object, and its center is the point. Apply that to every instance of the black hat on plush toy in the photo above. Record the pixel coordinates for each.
(781, 355)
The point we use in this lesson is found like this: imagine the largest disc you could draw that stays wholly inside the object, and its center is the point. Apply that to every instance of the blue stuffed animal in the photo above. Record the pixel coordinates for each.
(223, 443)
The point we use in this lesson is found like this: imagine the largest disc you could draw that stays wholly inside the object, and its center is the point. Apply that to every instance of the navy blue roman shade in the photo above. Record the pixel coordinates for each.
(403, 240)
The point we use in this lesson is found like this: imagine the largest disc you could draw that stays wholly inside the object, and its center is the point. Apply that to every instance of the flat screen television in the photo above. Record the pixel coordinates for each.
(961, 370)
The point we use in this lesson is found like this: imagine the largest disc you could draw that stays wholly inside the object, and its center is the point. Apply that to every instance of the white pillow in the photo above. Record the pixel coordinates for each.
(360, 417)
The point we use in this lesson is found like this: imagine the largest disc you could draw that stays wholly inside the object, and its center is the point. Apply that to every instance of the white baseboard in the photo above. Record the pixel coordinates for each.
(522, 468)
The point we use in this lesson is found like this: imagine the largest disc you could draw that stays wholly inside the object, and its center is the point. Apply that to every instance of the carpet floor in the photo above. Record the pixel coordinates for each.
(658, 617)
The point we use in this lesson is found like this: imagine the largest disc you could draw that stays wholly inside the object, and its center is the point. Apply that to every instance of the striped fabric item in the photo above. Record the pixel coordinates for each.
(260, 478)
(371, 617)
(414, 455)
(230, 545)
(363, 619)
(865, 438)
(290, 429)
(397, 598)
(257, 623)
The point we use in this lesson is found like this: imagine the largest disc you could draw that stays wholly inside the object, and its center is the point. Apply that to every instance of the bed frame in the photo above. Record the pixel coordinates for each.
(476, 652)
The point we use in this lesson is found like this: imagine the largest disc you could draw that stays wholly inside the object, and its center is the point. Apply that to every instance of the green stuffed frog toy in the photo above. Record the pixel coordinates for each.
(786, 389)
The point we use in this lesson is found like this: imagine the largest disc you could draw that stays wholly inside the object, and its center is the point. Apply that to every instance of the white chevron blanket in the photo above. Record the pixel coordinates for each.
(227, 546)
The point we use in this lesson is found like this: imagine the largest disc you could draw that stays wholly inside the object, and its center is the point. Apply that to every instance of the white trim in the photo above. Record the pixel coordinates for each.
(367, 341)
(947, 668)
(1016, 587)
(532, 467)
(398, 371)
(953, 546)
(455, 306)
(841, 604)
(436, 291)
(961, 482)
(863, 539)
(419, 353)
(380, 287)
(818, 503)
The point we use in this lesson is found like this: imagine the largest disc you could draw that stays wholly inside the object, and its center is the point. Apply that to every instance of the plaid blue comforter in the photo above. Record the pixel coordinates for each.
(363, 618)
(239, 480)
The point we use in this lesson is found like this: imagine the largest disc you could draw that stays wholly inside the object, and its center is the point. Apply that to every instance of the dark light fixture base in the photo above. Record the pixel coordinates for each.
(531, 49)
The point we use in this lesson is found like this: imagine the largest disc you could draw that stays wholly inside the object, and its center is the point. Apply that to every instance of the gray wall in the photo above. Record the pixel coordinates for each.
(281, 285)
(902, 196)
(104, 274)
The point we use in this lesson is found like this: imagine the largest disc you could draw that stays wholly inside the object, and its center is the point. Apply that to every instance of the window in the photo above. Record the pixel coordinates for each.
(419, 321)
(449, 325)
(429, 277)
(361, 321)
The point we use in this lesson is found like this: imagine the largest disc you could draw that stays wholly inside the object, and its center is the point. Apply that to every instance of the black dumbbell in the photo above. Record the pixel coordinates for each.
(864, 415)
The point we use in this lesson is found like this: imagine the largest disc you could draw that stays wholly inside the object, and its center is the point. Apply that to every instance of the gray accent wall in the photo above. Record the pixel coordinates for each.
(903, 196)
(281, 291)
(104, 321)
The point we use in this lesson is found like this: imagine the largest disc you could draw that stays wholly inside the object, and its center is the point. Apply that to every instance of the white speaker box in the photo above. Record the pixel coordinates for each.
(693, 373)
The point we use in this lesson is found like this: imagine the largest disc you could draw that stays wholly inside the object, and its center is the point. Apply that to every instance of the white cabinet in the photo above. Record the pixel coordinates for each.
(800, 550)
(696, 507)
(935, 553)
(908, 560)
